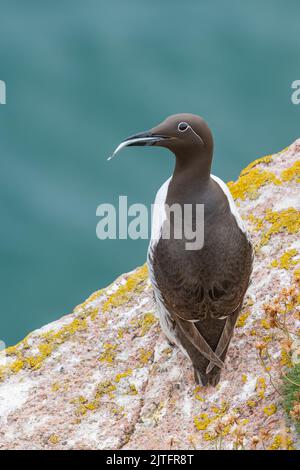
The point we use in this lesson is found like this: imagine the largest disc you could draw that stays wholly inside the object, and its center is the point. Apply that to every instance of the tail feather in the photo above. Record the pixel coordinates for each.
(213, 378)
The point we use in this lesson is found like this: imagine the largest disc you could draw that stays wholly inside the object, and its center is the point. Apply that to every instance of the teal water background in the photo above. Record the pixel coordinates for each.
(81, 76)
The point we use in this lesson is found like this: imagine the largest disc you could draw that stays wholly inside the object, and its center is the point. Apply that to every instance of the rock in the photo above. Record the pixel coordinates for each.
(105, 377)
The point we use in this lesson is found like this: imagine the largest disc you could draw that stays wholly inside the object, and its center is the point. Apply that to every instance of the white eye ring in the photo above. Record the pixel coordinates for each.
(183, 126)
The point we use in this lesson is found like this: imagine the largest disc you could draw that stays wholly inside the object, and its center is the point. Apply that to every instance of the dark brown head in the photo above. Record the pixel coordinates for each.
(186, 135)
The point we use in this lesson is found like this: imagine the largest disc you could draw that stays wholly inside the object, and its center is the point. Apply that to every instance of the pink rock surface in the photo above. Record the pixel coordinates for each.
(104, 377)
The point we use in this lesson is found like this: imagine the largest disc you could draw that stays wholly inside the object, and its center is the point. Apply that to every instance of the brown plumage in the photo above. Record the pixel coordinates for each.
(205, 285)
(199, 293)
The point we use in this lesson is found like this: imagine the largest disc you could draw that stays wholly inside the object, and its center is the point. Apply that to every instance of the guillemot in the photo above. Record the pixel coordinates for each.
(199, 293)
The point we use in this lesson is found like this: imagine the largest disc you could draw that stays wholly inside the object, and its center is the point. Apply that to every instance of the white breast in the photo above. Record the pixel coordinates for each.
(158, 218)
(231, 202)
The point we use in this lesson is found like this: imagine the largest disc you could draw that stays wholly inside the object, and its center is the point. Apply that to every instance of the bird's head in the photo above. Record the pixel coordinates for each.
(186, 135)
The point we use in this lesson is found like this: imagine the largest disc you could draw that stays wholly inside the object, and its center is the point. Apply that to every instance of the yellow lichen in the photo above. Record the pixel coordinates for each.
(54, 439)
(122, 375)
(120, 333)
(16, 366)
(55, 387)
(51, 341)
(11, 350)
(145, 356)
(202, 421)
(109, 353)
(84, 405)
(134, 284)
(250, 181)
(270, 410)
(93, 313)
(293, 172)
(263, 160)
(287, 220)
(265, 324)
(296, 275)
(242, 319)
(286, 260)
(251, 403)
(276, 444)
(94, 296)
(244, 378)
(197, 393)
(105, 388)
(118, 411)
(209, 436)
(261, 387)
(132, 390)
(167, 351)
(144, 323)
(285, 358)
(282, 442)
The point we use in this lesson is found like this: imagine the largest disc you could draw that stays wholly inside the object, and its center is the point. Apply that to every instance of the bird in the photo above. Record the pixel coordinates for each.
(199, 293)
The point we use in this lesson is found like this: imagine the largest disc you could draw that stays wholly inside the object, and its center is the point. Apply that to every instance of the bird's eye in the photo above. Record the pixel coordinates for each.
(182, 126)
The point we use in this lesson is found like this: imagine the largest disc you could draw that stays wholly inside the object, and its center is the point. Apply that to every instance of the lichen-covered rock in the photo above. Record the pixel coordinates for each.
(104, 377)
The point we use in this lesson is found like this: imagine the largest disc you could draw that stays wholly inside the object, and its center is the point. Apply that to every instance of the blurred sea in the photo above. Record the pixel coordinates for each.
(80, 77)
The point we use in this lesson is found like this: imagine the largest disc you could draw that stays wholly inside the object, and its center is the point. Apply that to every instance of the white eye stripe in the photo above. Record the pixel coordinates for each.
(185, 126)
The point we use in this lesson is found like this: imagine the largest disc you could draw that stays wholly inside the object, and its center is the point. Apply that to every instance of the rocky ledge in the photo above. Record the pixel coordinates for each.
(104, 377)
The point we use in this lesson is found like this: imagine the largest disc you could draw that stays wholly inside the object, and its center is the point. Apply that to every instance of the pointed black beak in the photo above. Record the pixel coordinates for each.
(144, 138)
